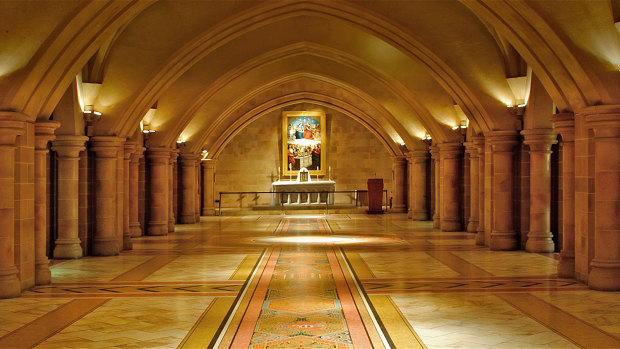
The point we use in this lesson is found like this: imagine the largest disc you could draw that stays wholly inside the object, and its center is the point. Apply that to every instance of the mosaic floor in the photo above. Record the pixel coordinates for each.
(336, 281)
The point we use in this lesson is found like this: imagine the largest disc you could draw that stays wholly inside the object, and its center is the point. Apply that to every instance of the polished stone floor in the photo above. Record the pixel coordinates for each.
(391, 282)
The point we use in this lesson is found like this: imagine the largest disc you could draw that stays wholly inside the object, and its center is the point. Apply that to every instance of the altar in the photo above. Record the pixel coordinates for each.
(303, 193)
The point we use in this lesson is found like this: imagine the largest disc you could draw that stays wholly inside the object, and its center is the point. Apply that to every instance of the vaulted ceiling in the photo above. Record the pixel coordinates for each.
(200, 70)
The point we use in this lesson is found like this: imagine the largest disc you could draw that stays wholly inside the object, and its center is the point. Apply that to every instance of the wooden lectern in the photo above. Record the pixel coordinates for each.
(375, 196)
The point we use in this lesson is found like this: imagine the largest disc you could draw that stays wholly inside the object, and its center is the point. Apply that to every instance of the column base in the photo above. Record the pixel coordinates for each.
(127, 243)
(450, 225)
(409, 214)
(503, 241)
(208, 212)
(10, 287)
(604, 275)
(170, 226)
(67, 249)
(399, 209)
(436, 222)
(187, 219)
(419, 215)
(480, 238)
(566, 264)
(135, 230)
(105, 247)
(539, 242)
(42, 273)
(157, 228)
(472, 226)
(197, 218)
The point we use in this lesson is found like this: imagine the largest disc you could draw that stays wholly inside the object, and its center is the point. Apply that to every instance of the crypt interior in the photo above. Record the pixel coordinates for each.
(309, 174)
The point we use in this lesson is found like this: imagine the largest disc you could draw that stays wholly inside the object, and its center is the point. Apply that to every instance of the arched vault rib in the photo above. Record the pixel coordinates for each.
(220, 143)
(553, 61)
(304, 48)
(59, 60)
(220, 123)
(270, 12)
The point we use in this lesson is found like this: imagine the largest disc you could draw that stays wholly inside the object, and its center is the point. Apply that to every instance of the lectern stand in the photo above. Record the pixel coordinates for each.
(375, 196)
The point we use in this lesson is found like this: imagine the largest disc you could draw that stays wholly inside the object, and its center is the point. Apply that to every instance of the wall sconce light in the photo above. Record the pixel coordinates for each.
(427, 139)
(90, 114)
(205, 153)
(180, 143)
(516, 110)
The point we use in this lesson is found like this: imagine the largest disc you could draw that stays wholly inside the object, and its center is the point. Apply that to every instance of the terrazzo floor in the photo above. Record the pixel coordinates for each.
(398, 283)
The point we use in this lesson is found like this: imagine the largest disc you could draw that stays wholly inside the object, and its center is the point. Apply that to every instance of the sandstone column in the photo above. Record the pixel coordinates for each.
(418, 203)
(135, 228)
(44, 133)
(130, 148)
(450, 156)
(503, 236)
(10, 127)
(605, 266)
(540, 238)
(565, 125)
(399, 174)
(436, 185)
(472, 222)
(68, 148)
(197, 192)
(158, 206)
(188, 188)
(174, 154)
(480, 151)
(208, 178)
(105, 241)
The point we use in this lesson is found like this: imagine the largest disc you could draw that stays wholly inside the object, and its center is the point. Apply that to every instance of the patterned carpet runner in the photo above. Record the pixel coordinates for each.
(303, 302)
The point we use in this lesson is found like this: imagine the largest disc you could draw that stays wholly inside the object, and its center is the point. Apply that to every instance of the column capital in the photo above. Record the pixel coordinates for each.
(564, 124)
(540, 139)
(471, 149)
(399, 159)
(69, 146)
(174, 155)
(188, 158)
(208, 163)
(479, 144)
(418, 156)
(434, 150)
(130, 148)
(450, 150)
(604, 120)
(502, 141)
(158, 154)
(106, 146)
(11, 125)
(44, 133)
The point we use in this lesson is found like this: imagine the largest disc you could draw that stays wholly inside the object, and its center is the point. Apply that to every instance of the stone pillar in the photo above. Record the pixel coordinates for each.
(418, 202)
(130, 148)
(135, 229)
(480, 152)
(174, 154)
(450, 156)
(10, 127)
(105, 241)
(68, 148)
(540, 238)
(565, 125)
(44, 133)
(197, 192)
(605, 266)
(474, 195)
(208, 180)
(120, 197)
(436, 185)
(503, 236)
(399, 175)
(188, 188)
(158, 206)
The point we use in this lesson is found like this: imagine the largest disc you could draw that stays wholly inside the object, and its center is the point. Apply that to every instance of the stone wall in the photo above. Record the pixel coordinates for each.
(250, 161)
